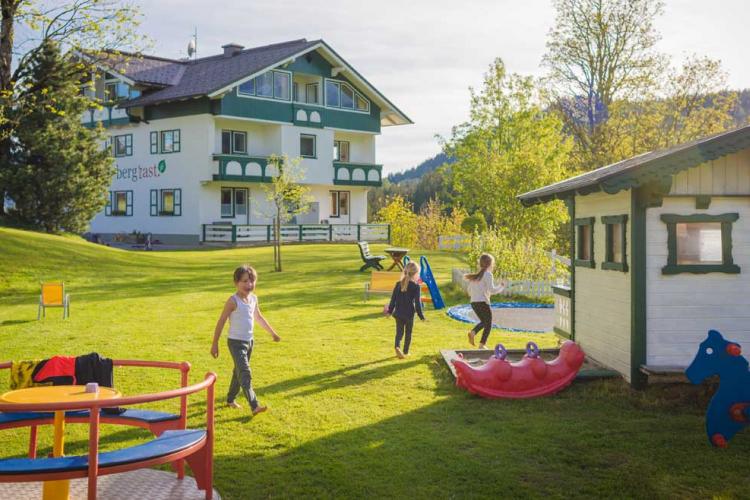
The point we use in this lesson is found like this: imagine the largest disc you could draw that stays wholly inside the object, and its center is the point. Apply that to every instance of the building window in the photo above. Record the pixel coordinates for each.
(342, 95)
(339, 203)
(584, 242)
(233, 141)
(311, 93)
(170, 141)
(272, 84)
(116, 91)
(227, 207)
(166, 202)
(123, 145)
(166, 141)
(341, 151)
(699, 243)
(120, 203)
(234, 202)
(615, 255)
(307, 146)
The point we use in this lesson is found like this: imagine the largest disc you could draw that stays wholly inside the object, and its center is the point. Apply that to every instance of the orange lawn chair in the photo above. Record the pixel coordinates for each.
(53, 295)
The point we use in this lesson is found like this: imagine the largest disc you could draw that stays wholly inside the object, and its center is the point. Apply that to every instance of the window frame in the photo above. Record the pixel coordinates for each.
(109, 207)
(272, 97)
(579, 223)
(337, 150)
(314, 142)
(609, 221)
(128, 145)
(231, 203)
(176, 141)
(232, 135)
(307, 93)
(355, 94)
(156, 208)
(727, 266)
(337, 194)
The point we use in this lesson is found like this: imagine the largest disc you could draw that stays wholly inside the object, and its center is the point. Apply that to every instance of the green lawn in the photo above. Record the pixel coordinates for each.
(348, 419)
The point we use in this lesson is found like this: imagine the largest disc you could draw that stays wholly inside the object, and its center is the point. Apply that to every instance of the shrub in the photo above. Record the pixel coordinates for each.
(420, 230)
(474, 223)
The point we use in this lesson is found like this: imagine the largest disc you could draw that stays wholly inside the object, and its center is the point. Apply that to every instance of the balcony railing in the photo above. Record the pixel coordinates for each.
(308, 115)
(263, 233)
(244, 168)
(357, 174)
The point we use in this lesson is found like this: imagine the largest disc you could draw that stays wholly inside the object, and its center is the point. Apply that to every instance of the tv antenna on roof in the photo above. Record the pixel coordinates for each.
(192, 48)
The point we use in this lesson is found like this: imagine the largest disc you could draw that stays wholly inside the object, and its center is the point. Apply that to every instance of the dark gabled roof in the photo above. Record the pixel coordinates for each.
(199, 77)
(657, 166)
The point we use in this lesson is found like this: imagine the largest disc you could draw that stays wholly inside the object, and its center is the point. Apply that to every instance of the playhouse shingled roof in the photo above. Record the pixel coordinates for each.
(174, 80)
(641, 169)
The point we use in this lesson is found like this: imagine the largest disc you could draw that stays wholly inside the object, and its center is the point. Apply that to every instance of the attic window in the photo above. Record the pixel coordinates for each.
(342, 95)
(274, 84)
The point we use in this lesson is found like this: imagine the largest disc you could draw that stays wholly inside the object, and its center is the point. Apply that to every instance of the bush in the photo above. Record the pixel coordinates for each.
(474, 223)
(517, 259)
(419, 230)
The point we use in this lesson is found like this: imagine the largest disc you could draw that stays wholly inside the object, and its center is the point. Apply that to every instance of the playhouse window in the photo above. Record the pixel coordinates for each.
(699, 243)
(615, 257)
(584, 242)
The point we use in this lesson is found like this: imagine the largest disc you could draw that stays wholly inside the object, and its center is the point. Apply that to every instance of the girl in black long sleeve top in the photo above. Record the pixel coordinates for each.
(405, 302)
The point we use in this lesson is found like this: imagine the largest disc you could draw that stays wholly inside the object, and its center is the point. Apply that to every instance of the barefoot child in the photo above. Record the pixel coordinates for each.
(242, 311)
(481, 287)
(405, 302)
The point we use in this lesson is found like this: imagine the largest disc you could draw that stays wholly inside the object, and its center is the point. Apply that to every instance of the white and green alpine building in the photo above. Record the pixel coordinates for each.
(192, 138)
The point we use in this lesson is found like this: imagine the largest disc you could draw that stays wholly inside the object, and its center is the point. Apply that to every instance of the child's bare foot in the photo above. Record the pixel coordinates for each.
(471, 337)
(482, 346)
(399, 353)
(234, 404)
(259, 409)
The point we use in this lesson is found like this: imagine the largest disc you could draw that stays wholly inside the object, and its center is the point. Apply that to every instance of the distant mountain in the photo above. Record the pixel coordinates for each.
(417, 172)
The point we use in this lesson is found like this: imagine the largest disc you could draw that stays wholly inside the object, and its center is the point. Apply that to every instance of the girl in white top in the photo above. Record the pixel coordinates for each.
(481, 287)
(243, 311)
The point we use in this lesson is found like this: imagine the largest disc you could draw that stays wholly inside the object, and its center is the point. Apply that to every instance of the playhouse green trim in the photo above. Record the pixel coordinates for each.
(608, 264)
(586, 221)
(571, 204)
(727, 266)
(640, 198)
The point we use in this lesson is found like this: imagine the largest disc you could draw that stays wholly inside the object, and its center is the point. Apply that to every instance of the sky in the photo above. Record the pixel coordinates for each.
(425, 54)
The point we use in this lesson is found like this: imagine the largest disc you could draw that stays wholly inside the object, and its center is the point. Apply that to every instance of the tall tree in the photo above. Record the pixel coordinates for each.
(600, 51)
(287, 196)
(509, 146)
(58, 171)
(91, 25)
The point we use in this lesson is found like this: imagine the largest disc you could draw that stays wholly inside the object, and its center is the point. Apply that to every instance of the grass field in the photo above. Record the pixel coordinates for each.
(348, 419)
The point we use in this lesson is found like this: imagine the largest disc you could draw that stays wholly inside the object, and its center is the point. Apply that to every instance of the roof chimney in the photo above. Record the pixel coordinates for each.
(231, 49)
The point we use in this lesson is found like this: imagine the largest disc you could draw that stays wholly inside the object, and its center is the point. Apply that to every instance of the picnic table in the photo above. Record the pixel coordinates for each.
(57, 394)
(397, 254)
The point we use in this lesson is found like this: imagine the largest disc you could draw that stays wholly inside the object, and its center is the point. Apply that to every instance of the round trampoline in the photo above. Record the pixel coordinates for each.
(511, 316)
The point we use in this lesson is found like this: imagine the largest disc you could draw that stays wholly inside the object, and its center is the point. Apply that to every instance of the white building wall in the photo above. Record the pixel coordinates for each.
(602, 297)
(682, 308)
(139, 173)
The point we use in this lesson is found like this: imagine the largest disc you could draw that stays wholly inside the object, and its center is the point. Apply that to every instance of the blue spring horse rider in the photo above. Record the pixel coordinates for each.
(729, 410)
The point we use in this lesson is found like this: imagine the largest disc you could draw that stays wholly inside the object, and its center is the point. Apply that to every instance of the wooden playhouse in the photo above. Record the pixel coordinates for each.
(661, 248)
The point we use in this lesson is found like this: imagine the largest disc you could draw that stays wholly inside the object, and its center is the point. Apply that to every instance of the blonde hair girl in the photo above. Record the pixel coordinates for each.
(405, 303)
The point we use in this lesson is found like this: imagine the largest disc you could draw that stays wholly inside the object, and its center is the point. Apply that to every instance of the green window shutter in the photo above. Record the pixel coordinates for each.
(129, 145)
(178, 202)
(108, 206)
(176, 141)
(154, 208)
(154, 136)
(129, 203)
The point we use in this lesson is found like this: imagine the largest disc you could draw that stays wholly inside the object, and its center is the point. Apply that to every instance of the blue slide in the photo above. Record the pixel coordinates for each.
(429, 280)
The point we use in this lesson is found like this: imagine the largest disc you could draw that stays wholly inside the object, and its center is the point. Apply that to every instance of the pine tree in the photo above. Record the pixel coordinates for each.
(59, 171)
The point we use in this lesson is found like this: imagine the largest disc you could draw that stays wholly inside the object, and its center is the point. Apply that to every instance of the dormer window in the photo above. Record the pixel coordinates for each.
(342, 95)
(274, 84)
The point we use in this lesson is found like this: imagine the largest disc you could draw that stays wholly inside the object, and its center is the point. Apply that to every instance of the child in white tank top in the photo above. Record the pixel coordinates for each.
(242, 311)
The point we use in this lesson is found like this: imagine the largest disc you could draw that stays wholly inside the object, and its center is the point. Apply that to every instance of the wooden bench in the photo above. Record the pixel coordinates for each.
(192, 445)
(369, 259)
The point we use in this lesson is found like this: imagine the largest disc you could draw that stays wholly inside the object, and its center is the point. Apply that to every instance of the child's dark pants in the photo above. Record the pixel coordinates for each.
(401, 328)
(484, 313)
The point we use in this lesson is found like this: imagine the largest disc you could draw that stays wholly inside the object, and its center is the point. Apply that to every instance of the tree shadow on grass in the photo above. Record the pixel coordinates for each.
(11, 322)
